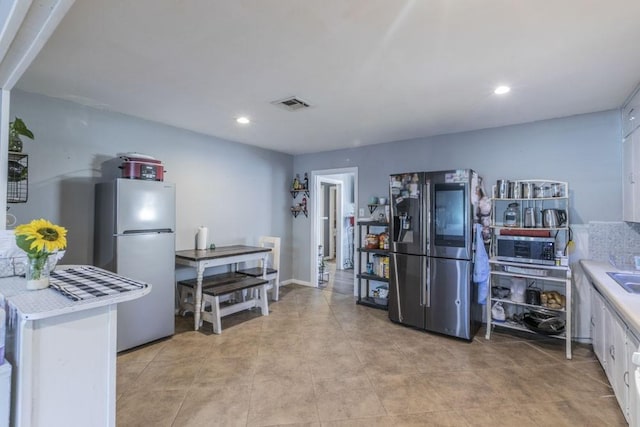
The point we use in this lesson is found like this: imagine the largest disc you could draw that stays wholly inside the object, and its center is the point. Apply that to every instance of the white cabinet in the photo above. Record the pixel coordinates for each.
(614, 344)
(616, 365)
(631, 159)
(597, 325)
(63, 354)
(633, 380)
(631, 177)
(631, 114)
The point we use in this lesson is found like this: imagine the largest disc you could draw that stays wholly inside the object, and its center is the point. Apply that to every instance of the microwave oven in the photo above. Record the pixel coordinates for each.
(531, 250)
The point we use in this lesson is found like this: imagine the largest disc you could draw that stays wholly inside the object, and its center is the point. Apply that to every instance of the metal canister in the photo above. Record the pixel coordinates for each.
(529, 217)
(538, 191)
(502, 189)
(527, 190)
(514, 190)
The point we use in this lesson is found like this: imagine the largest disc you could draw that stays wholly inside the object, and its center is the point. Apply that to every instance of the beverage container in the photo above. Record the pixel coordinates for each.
(502, 188)
(527, 190)
(529, 217)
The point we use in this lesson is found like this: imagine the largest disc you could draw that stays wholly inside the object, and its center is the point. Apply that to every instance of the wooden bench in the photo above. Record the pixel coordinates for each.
(216, 286)
(186, 288)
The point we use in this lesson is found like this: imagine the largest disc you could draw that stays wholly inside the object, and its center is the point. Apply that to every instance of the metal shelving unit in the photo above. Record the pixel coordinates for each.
(547, 278)
(378, 275)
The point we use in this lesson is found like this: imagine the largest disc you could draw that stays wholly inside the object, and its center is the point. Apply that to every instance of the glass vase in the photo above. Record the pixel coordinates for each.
(37, 273)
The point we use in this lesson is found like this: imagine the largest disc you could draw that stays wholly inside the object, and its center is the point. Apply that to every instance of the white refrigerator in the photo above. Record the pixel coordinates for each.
(135, 237)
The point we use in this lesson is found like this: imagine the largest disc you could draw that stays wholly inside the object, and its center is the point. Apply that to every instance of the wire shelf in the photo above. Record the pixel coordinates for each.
(17, 178)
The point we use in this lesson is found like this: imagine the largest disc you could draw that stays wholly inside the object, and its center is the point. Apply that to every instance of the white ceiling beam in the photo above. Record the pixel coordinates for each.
(12, 14)
(25, 27)
(24, 33)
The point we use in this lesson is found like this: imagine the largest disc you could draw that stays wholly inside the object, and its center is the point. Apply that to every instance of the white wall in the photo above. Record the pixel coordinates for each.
(239, 192)
(585, 150)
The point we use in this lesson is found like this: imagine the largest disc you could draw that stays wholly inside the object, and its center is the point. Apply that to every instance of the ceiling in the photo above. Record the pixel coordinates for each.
(373, 70)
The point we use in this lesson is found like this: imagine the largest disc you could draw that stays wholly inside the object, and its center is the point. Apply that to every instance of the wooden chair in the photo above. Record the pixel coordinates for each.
(273, 265)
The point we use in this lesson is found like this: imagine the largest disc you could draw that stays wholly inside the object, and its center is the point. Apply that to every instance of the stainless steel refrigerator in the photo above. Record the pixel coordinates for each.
(431, 252)
(135, 237)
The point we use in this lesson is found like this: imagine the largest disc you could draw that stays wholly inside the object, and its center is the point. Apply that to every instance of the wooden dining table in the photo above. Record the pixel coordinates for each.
(201, 259)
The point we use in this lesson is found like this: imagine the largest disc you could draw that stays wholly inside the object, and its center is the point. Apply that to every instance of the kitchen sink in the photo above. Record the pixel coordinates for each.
(630, 282)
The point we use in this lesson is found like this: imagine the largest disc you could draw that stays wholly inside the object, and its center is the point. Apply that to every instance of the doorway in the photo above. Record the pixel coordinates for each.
(333, 213)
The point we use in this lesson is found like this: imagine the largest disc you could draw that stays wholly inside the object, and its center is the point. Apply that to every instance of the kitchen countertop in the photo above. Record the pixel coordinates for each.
(626, 304)
(46, 303)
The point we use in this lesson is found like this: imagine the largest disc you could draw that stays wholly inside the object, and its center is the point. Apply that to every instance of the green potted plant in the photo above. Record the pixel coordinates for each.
(17, 128)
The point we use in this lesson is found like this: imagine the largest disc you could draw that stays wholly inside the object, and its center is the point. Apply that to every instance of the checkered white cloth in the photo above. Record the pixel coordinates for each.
(82, 283)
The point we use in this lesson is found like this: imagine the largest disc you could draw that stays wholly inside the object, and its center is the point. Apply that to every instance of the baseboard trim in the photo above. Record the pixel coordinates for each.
(297, 282)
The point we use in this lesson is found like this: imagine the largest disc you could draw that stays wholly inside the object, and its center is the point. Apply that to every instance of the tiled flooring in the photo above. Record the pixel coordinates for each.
(340, 281)
(319, 359)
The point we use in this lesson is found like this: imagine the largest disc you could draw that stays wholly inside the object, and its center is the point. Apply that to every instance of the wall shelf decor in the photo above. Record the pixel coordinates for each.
(17, 178)
(300, 187)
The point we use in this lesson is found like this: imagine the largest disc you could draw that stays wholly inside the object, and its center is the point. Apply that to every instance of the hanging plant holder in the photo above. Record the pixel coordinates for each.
(17, 178)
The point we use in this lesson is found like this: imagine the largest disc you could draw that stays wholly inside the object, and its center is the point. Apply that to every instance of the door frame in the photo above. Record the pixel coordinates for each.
(335, 194)
(321, 226)
(318, 176)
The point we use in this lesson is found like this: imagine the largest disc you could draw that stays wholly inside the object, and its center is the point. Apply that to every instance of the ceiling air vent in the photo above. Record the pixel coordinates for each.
(292, 103)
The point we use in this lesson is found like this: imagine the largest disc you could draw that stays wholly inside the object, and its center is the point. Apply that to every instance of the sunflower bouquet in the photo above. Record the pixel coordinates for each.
(39, 239)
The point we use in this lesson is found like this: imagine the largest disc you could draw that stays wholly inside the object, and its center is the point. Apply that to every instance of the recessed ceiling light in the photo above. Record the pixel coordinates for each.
(243, 120)
(501, 90)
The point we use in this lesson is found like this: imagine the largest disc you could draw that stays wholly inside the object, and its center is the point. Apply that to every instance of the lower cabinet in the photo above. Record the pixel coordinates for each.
(634, 382)
(597, 325)
(614, 345)
(616, 365)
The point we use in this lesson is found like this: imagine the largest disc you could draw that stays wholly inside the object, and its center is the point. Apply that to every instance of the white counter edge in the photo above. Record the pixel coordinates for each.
(11, 287)
(625, 303)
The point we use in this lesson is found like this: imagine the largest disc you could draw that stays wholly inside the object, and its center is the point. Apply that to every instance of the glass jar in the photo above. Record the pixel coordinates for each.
(512, 215)
(372, 241)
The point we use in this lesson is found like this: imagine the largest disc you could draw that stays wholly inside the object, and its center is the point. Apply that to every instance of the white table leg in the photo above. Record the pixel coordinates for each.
(215, 316)
(264, 301)
(197, 299)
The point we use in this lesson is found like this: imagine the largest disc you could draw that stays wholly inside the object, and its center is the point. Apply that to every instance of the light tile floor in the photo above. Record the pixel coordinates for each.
(319, 359)
(340, 280)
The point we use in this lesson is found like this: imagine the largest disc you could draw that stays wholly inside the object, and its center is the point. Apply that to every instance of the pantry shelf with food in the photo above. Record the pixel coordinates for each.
(373, 264)
(530, 279)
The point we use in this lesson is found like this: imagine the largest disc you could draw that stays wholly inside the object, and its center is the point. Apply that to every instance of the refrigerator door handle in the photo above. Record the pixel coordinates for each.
(427, 216)
(151, 230)
(426, 297)
(395, 272)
